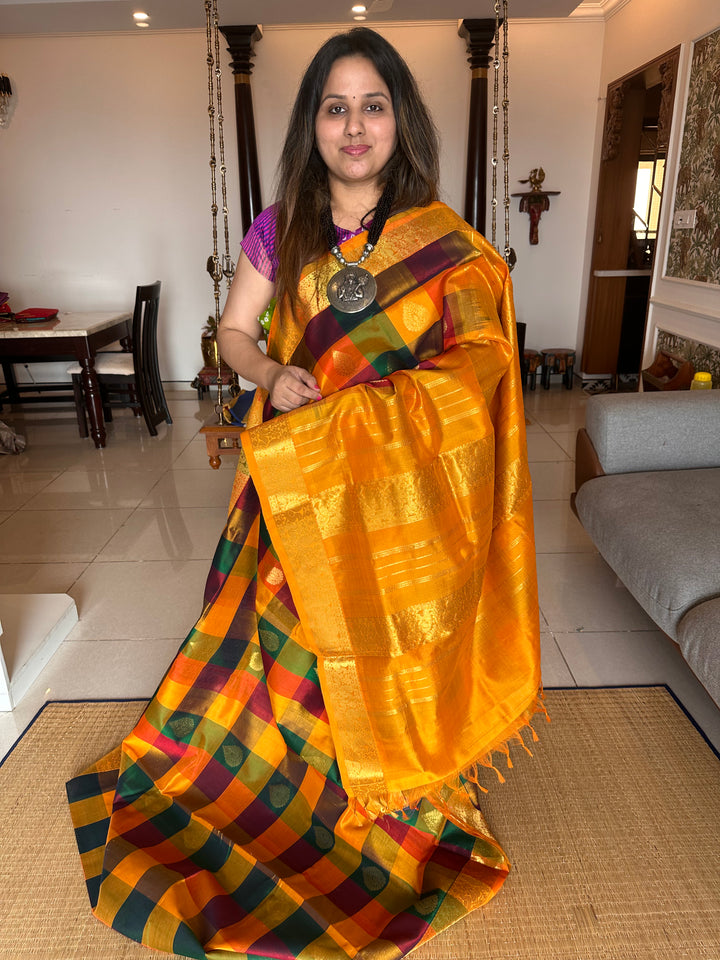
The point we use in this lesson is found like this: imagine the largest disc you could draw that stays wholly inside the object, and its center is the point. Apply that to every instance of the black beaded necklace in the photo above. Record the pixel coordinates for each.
(353, 288)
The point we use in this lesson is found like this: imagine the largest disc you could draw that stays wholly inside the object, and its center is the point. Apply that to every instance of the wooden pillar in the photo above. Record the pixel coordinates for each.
(240, 41)
(480, 36)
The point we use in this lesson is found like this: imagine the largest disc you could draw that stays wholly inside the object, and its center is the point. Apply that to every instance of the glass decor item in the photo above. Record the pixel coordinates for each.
(701, 381)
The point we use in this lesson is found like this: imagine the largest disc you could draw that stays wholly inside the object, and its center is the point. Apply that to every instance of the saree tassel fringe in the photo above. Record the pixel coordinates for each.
(400, 802)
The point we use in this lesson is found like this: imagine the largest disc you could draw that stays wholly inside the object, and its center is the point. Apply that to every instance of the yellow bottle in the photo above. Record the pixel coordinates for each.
(701, 381)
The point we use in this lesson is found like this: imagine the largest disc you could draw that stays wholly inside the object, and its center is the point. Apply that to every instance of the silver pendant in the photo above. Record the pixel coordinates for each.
(351, 289)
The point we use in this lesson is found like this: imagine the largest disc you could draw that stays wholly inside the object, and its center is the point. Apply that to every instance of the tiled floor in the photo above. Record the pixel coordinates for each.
(129, 531)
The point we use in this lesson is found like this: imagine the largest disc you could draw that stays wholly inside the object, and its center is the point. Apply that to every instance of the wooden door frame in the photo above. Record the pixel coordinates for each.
(615, 195)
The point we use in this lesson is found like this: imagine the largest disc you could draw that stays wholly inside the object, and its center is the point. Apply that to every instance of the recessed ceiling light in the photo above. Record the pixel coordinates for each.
(141, 16)
(358, 17)
(359, 8)
(142, 23)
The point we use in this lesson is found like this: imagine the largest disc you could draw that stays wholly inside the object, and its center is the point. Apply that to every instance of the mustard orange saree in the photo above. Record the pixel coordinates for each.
(303, 784)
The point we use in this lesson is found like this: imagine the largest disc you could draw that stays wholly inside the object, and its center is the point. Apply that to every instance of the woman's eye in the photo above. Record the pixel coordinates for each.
(336, 109)
(374, 108)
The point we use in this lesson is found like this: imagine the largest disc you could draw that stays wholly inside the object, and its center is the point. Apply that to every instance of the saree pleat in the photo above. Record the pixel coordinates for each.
(303, 782)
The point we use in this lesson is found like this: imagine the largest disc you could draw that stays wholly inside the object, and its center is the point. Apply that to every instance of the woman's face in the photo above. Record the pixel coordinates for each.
(355, 128)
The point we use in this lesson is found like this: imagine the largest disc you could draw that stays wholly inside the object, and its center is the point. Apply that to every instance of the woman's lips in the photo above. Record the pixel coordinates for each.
(357, 150)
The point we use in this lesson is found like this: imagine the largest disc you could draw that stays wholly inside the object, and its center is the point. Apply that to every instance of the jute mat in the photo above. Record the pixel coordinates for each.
(613, 829)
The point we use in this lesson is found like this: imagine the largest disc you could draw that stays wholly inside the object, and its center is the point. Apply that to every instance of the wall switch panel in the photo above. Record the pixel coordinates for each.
(684, 219)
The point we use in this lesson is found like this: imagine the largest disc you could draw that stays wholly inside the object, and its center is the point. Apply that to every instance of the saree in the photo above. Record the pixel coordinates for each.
(305, 781)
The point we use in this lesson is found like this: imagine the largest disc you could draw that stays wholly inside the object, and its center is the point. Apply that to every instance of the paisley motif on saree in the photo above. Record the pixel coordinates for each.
(302, 783)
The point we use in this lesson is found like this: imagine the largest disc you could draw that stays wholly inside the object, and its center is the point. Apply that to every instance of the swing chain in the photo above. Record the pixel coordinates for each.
(214, 267)
(228, 266)
(508, 253)
(217, 267)
(501, 15)
(495, 111)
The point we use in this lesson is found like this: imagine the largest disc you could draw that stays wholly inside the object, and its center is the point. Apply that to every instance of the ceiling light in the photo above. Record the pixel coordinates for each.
(358, 17)
(141, 16)
(359, 8)
(142, 23)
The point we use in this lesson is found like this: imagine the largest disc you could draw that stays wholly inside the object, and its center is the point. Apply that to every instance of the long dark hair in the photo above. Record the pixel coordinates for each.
(303, 182)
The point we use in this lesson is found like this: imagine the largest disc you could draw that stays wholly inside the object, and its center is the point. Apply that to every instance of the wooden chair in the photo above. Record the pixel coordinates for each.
(130, 378)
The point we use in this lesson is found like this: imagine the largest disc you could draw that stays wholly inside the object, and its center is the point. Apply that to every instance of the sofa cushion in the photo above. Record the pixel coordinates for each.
(699, 639)
(660, 533)
(655, 431)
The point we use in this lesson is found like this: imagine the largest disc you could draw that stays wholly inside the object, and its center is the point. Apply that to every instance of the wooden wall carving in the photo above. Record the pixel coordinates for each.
(614, 120)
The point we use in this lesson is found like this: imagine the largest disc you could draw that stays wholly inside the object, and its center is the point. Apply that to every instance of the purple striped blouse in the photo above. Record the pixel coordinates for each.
(258, 243)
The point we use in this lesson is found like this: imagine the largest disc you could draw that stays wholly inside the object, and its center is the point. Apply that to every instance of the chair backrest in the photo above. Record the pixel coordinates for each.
(145, 356)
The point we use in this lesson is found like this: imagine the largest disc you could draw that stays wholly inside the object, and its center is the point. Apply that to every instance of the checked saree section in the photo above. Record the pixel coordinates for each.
(304, 782)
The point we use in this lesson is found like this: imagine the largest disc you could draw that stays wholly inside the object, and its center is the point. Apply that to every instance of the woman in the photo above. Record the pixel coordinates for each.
(305, 781)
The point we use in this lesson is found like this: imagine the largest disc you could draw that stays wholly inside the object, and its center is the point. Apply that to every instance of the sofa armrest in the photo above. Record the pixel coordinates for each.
(636, 432)
(587, 464)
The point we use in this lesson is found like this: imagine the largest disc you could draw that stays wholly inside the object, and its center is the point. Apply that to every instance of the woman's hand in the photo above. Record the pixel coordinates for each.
(238, 335)
(291, 387)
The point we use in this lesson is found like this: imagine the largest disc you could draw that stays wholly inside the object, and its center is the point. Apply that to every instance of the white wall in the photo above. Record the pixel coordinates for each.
(105, 178)
(639, 32)
(555, 67)
(643, 29)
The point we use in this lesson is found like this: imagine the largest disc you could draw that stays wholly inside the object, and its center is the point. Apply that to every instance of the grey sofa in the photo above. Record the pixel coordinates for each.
(648, 493)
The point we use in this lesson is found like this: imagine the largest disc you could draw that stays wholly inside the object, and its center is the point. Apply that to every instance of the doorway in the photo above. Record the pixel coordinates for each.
(638, 116)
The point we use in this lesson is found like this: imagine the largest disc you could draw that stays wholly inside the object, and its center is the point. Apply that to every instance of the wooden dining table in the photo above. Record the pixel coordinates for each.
(70, 336)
